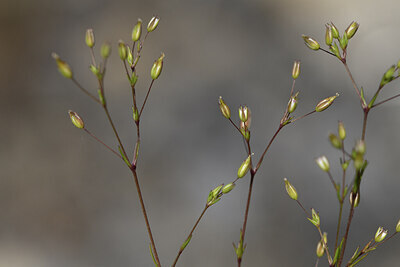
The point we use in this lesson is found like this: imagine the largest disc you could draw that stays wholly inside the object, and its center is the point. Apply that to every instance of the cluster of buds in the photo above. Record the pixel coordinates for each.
(337, 140)
(215, 195)
(333, 33)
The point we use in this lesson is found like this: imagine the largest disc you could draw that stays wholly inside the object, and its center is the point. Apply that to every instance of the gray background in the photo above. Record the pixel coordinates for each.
(66, 201)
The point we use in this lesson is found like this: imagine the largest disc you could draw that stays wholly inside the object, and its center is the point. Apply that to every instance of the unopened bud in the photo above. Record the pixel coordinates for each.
(315, 218)
(354, 199)
(323, 163)
(320, 249)
(157, 67)
(296, 69)
(153, 24)
(76, 120)
(335, 50)
(310, 42)
(137, 31)
(335, 31)
(129, 56)
(122, 50)
(224, 108)
(344, 41)
(360, 147)
(352, 29)
(326, 103)
(341, 130)
(243, 113)
(358, 161)
(290, 189)
(228, 188)
(292, 105)
(244, 168)
(89, 38)
(389, 73)
(380, 234)
(335, 141)
(328, 35)
(63, 67)
(398, 226)
(105, 50)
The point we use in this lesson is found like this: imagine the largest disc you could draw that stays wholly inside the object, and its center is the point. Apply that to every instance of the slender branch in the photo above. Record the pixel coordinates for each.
(384, 101)
(332, 181)
(114, 130)
(145, 216)
(326, 51)
(353, 82)
(92, 56)
(101, 142)
(351, 213)
(237, 128)
(190, 234)
(339, 223)
(266, 149)
(84, 90)
(366, 110)
(291, 91)
(147, 96)
(305, 115)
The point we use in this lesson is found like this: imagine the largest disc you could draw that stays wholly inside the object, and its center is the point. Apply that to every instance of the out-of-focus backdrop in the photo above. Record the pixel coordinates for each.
(67, 201)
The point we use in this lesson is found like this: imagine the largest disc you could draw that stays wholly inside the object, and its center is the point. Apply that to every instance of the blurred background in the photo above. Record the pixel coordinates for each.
(66, 201)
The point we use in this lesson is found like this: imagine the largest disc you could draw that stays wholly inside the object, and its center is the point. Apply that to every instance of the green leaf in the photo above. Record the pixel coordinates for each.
(337, 252)
(124, 158)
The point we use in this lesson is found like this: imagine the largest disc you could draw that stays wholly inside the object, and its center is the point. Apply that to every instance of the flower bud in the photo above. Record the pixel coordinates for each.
(380, 234)
(137, 31)
(243, 113)
(292, 105)
(224, 108)
(290, 189)
(105, 50)
(324, 104)
(320, 249)
(63, 67)
(122, 50)
(323, 163)
(76, 120)
(296, 69)
(244, 168)
(315, 218)
(310, 42)
(360, 147)
(335, 141)
(398, 226)
(358, 161)
(344, 41)
(157, 67)
(129, 56)
(341, 131)
(335, 50)
(328, 35)
(228, 188)
(153, 24)
(354, 199)
(389, 73)
(335, 32)
(89, 38)
(352, 29)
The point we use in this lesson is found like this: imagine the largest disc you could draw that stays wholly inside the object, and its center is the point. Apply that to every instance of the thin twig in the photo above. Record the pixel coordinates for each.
(84, 90)
(384, 101)
(101, 142)
(147, 96)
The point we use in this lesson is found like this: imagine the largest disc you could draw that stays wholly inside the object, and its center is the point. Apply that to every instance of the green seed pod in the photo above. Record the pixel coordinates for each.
(105, 50)
(398, 226)
(135, 114)
(228, 188)
(328, 35)
(122, 50)
(360, 147)
(224, 108)
(323, 163)
(358, 161)
(296, 69)
(352, 29)
(137, 31)
(244, 168)
(290, 189)
(320, 249)
(326, 103)
(95, 70)
(157, 67)
(89, 38)
(380, 234)
(344, 41)
(335, 50)
(243, 113)
(129, 56)
(63, 67)
(153, 24)
(341, 131)
(389, 73)
(315, 218)
(335, 141)
(335, 31)
(310, 42)
(76, 120)
(216, 191)
(354, 199)
(292, 105)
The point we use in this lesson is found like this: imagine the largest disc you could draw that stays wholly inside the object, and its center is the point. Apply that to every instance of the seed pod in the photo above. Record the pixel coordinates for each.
(244, 168)
(328, 35)
(137, 31)
(89, 38)
(224, 108)
(310, 42)
(62, 66)
(76, 120)
(352, 29)
(157, 67)
(320, 249)
(153, 24)
(122, 50)
(326, 103)
(228, 188)
(398, 226)
(292, 105)
(335, 141)
(243, 113)
(335, 31)
(323, 163)
(290, 189)
(105, 50)
(380, 234)
(296, 69)
(341, 130)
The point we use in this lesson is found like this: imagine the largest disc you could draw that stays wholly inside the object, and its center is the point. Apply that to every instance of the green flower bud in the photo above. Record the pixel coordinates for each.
(135, 114)
(335, 141)
(292, 105)
(216, 191)
(76, 120)
(315, 218)
(89, 38)
(228, 188)
(296, 69)
(398, 226)
(310, 42)
(137, 31)
(335, 50)
(380, 234)
(290, 189)
(63, 67)
(328, 35)
(320, 249)
(354, 199)
(344, 41)
(243, 113)
(324, 104)
(389, 73)
(352, 29)
(341, 130)
(95, 71)
(224, 108)
(323, 163)
(360, 147)
(157, 67)
(129, 56)
(358, 161)
(105, 50)
(335, 31)
(153, 24)
(122, 50)
(244, 168)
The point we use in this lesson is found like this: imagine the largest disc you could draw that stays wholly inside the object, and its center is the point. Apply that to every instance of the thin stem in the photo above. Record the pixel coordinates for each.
(147, 96)
(305, 211)
(354, 83)
(332, 181)
(291, 91)
(305, 115)
(145, 216)
(325, 246)
(351, 213)
(84, 90)
(115, 130)
(266, 149)
(92, 56)
(364, 124)
(190, 234)
(237, 128)
(338, 224)
(326, 51)
(101, 142)
(384, 101)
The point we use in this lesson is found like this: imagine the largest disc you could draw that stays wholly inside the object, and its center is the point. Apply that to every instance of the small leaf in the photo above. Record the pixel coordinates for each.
(123, 157)
(186, 243)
